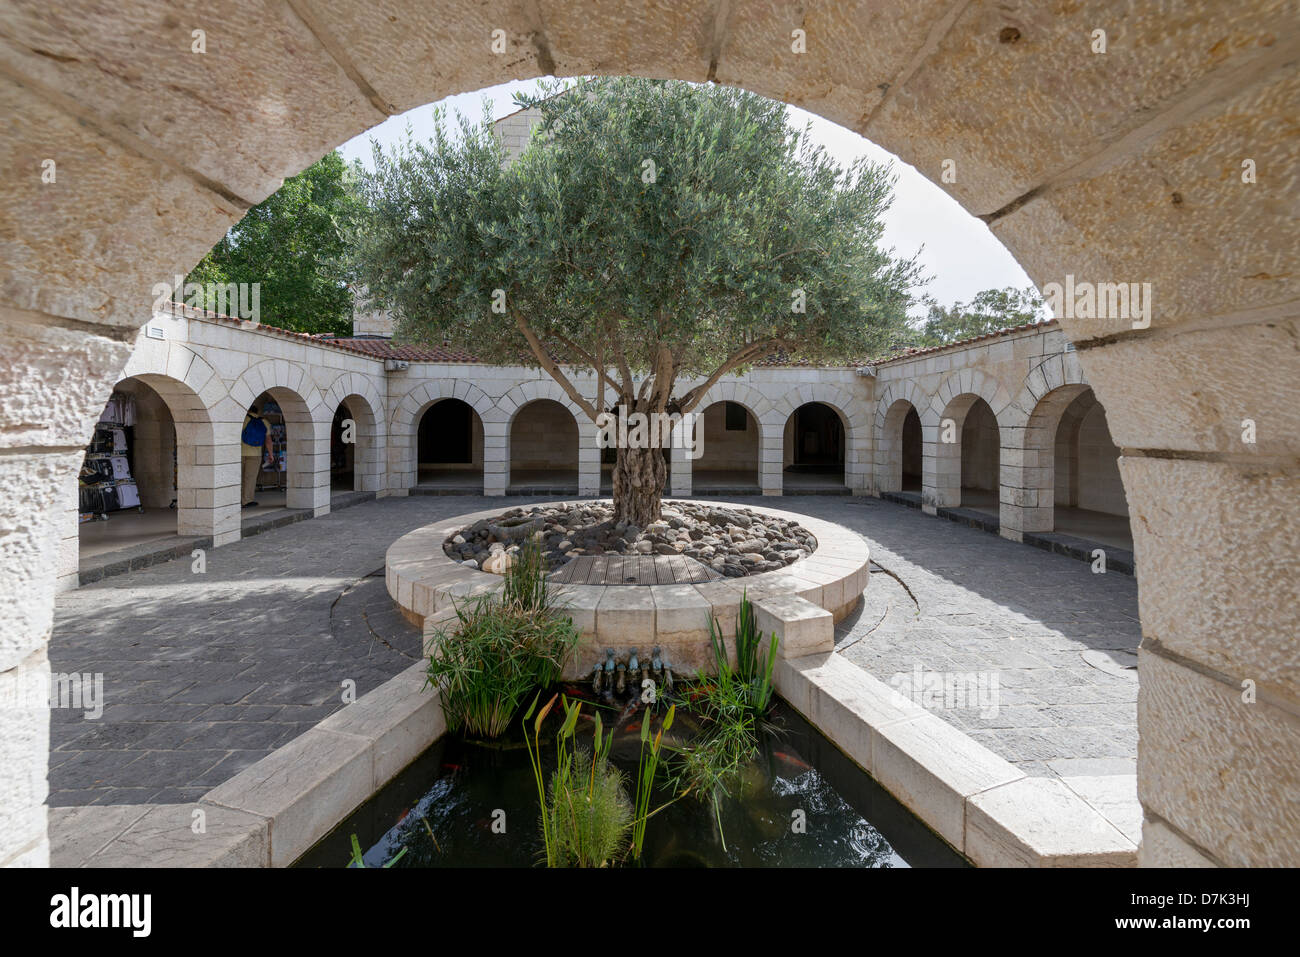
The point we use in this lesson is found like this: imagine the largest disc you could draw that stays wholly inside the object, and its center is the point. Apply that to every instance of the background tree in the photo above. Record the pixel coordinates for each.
(653, 232)
(989, 311)
(295, 243)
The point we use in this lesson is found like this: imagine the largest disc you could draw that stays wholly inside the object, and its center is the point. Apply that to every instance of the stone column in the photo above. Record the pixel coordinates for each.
(940, 467)
(588, 459)
(1026, 480)
(496, 456)
(771, 461)
(682, 464)
(308, 465)
(209, 484)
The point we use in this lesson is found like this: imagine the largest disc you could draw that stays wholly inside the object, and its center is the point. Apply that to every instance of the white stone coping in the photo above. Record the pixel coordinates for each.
(274, 811)
(427, 583)
(978, 802)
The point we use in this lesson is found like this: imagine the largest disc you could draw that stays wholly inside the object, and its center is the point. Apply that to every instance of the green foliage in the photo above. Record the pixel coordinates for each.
(752, 676)
(732, 703)
(690, 273)
(359, 861)
(585, 812)
(589, 811)
(295, 243)
(647, 768)
(989, 311)
(500, 649)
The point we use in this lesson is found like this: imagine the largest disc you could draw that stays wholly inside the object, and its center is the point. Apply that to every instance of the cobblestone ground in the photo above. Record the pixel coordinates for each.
(1060, 641)
(206, 673)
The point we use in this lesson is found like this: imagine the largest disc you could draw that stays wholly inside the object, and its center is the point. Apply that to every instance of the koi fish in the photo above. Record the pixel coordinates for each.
(791, 761)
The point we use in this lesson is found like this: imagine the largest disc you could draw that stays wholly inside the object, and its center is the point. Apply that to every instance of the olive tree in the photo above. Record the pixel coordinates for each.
(655, 233)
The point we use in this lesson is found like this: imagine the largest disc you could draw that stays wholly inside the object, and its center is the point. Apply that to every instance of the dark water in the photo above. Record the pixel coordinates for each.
(463, 804)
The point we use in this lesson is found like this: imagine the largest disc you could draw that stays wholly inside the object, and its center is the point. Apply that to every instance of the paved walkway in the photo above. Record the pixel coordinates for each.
(206, 673)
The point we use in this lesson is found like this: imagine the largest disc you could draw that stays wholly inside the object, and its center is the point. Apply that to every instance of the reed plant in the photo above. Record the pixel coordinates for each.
(647, 767)
(585, 811)
(500, 648)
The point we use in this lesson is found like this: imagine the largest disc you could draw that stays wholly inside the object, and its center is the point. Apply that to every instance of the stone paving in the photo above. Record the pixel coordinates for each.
(1060, 640)
(206, 673)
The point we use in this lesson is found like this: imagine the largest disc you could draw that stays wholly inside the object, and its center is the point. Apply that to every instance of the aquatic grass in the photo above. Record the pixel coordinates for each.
(359, 861)
(499, 649)
(585, 811)
(647, 767)
(753, 670)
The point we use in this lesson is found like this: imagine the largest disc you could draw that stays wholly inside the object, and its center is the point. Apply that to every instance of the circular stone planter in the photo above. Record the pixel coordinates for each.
(428, 585)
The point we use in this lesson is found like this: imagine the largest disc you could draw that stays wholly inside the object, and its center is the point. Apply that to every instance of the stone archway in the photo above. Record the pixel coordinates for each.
(545, 449)
(405, 424)
(307, 418)
(356, 396)
(581, 454)
(450, 439)
(730, 443)
(1078, 177)
(855, 422)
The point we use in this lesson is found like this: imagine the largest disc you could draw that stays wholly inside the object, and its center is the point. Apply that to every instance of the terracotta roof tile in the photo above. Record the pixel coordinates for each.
(958, 343)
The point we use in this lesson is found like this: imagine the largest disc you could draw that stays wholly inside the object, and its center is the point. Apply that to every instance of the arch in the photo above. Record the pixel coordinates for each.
(545, 444)
(1214, 621)
(728, 462)
(588, 464)
(813, 449)
(854, 418)
(449, 443)
(1047, 480)
(941, 484)
(369, 453)
(405, 421)
(307, 420)
(207, 483)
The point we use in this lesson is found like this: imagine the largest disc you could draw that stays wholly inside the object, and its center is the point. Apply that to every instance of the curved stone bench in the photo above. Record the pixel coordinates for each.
(428, 585)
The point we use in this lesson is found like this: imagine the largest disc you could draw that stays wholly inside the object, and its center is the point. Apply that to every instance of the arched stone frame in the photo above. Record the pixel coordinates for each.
(1027, 470)
(941, 461)
(205, 506)
(207, 472)
(1027, 479)
(857, 434)
(725, 390)
(588, 450)
(370, 457)
(1106, 220)
(899, 397)
(405, 425)
(307, 418)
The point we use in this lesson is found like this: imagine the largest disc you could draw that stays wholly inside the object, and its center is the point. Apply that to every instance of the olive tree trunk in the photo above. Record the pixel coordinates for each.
(639, 476)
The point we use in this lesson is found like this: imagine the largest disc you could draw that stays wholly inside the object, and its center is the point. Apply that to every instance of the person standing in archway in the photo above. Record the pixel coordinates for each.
(253, 441)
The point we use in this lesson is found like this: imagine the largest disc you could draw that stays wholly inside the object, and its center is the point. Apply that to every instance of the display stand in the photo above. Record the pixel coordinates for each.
(105, 483)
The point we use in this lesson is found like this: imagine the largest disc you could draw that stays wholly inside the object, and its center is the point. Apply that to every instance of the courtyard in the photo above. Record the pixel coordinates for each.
(259, 561)
(208, 673)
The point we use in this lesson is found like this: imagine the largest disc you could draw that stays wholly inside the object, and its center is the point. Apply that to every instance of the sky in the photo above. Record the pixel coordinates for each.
(958, 252)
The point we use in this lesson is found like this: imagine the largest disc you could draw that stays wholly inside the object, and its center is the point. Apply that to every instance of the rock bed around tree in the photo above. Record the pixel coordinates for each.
(734, 542)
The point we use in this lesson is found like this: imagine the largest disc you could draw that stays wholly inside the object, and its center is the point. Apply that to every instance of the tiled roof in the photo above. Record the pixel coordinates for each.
(379, 348)
(387, 349)
(374, 348)
(958, 343)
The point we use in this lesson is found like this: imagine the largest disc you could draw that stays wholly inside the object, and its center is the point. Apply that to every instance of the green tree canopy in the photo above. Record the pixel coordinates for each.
(295, 244)
(989, 311)
(651, 229)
